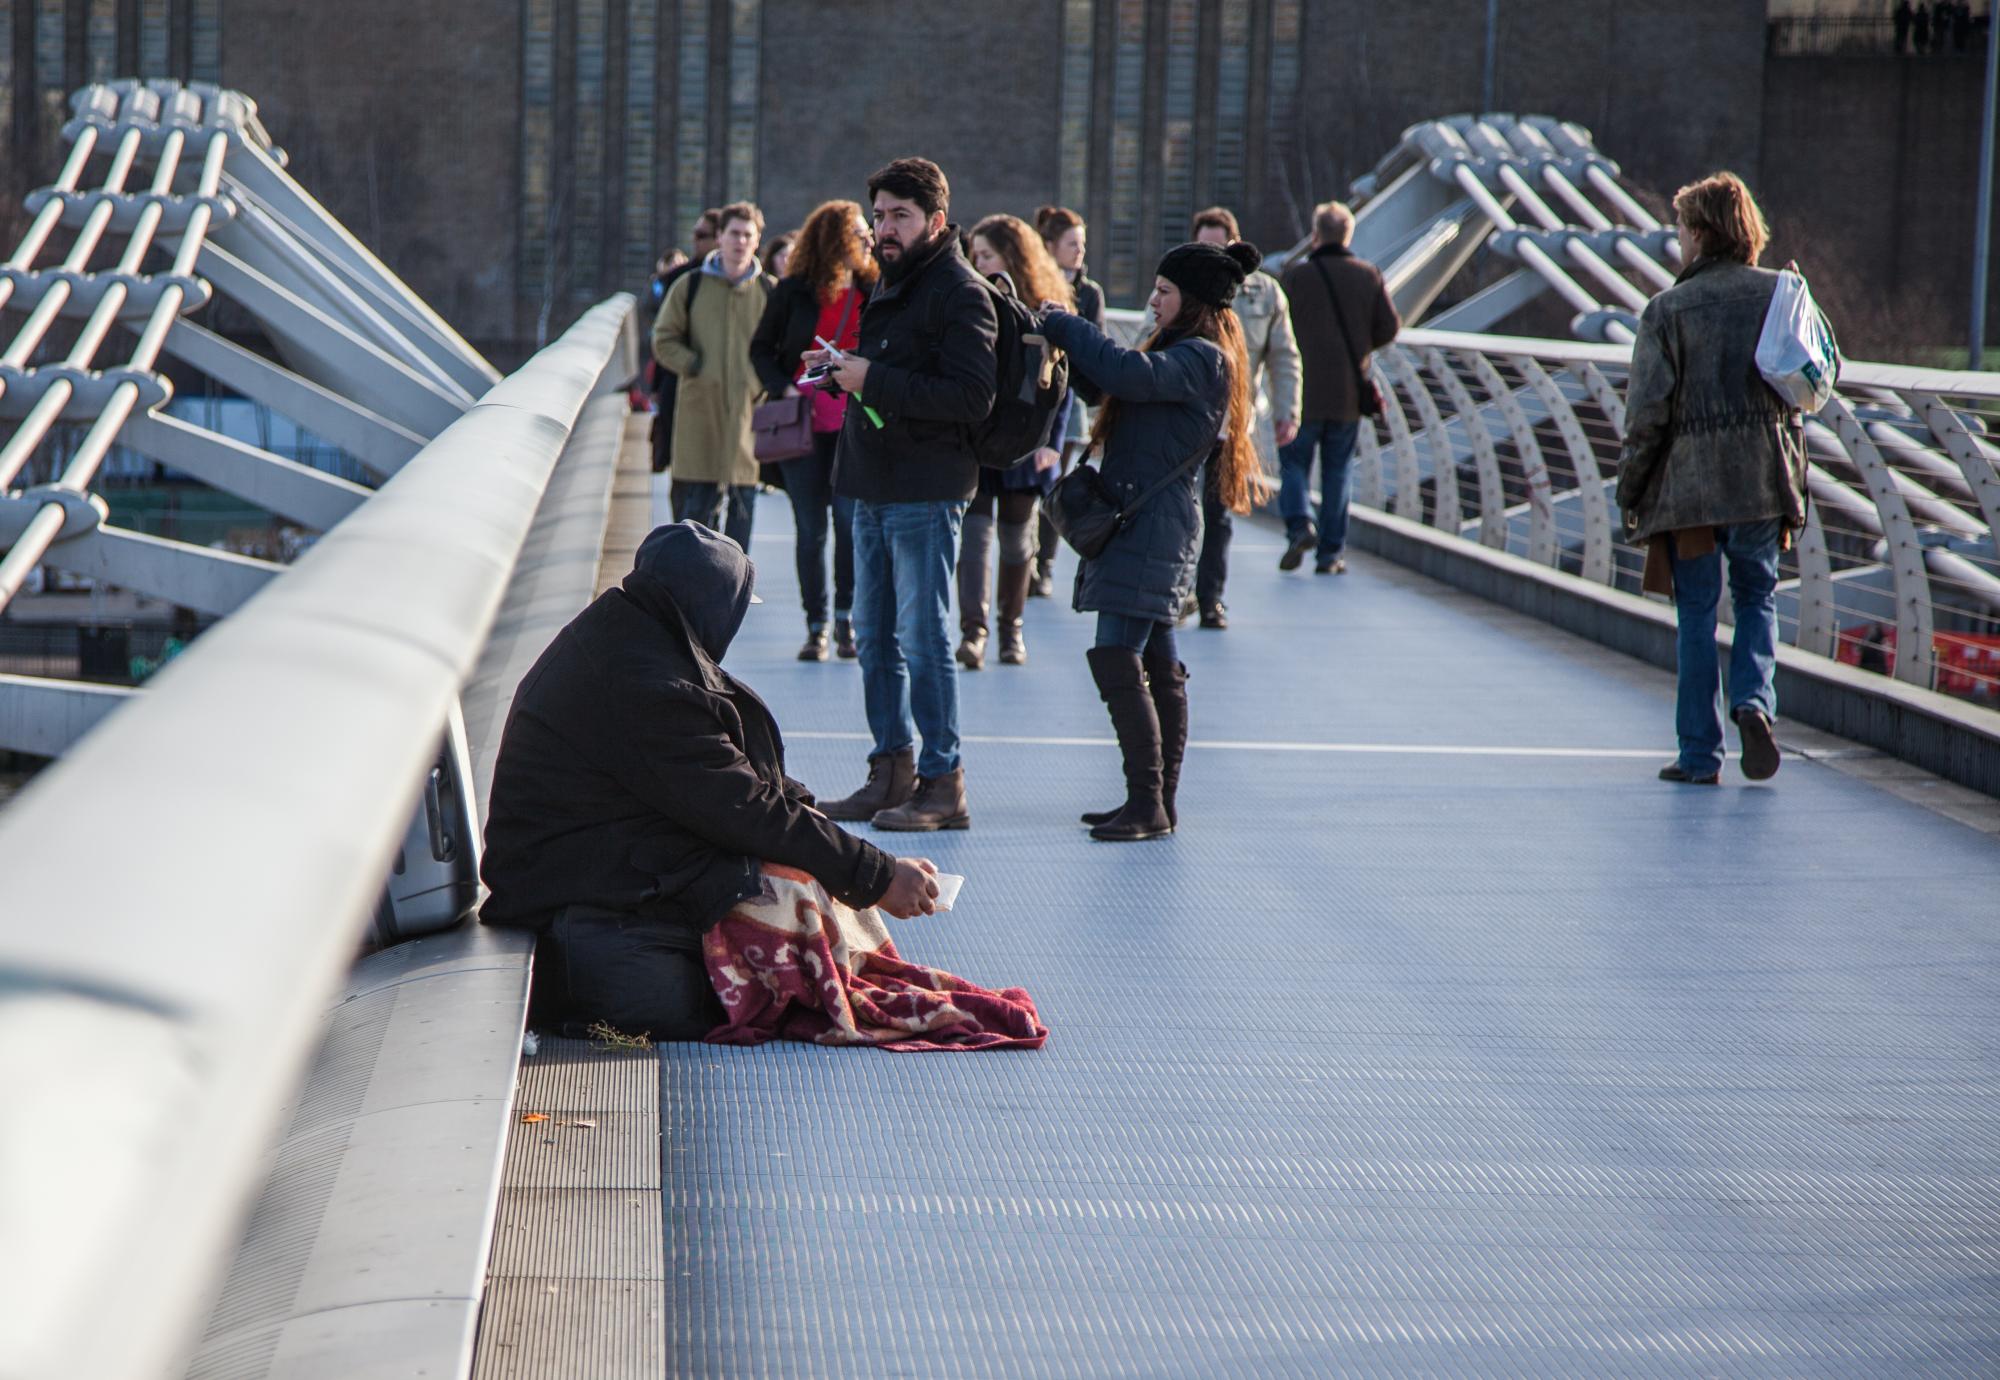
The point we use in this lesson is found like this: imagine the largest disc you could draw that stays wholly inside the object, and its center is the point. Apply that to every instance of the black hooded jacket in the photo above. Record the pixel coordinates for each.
(635, 774)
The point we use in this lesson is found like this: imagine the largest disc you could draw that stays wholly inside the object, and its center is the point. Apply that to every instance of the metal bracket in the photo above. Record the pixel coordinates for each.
(1915, 653)
(1543, 548)
(1486, 460)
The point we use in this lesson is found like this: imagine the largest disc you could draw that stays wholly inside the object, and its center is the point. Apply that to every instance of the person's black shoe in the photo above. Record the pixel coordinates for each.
(1672, 772)
(843, 639)
(816, 646)
(1215, 616)
(1760, 748)
(1295, 550)
(1096, 817)
(1043, 585)
(1336, 566)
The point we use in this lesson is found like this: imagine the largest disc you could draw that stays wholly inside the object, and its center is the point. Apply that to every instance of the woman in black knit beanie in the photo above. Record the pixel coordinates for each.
(1167, 406)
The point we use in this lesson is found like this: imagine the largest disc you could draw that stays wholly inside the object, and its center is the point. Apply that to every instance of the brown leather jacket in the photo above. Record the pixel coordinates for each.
(1327, 365)
(1707, 442)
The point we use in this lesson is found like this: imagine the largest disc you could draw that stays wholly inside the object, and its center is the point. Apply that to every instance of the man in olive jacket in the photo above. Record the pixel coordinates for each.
(637, 788)
(921, 377)
(702, 334)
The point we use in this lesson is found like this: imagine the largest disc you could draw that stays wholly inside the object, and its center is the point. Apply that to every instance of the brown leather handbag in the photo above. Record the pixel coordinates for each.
(782, 429)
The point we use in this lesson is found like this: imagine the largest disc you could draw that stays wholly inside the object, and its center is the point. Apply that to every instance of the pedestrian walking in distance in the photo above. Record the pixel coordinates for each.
(1164, 406)
(920, 378)
(1341, 313)
(1266, 317)
(1714, 466)
(703, 335)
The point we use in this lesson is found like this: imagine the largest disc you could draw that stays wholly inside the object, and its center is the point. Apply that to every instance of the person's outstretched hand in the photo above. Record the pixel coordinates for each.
(913, 891)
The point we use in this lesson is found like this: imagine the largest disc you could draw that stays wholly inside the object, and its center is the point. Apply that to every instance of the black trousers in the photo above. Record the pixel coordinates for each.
(637, 975)
(1218, 527)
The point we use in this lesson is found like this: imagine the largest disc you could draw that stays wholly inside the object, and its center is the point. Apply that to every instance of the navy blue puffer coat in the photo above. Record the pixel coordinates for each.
(1171, 406)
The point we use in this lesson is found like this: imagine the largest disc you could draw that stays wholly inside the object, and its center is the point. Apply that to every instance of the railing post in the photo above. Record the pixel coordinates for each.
(1543, 548)
(1492, 488)
(1444, 463)
(1915, 653)
(1589, 479)
(1409, 499)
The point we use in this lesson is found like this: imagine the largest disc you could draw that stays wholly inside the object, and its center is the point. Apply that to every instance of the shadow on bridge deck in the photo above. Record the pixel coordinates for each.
(1442, 1039)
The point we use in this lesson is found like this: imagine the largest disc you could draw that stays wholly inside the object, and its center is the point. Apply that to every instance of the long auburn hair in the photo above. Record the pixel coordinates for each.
(1238, 478)
(830, 253)
(1036, 277)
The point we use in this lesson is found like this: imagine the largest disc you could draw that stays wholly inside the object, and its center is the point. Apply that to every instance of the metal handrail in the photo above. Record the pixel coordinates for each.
(158, 1005)
(1905, 490)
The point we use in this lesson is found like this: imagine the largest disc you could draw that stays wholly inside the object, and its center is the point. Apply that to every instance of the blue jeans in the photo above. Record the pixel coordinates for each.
(903, 559)
(809, 485)
(1141, 635)
(1752, 550)
(696, 501)
(1335, 443)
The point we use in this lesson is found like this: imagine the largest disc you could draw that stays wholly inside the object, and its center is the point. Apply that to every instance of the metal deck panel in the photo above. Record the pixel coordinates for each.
(1390, 1063)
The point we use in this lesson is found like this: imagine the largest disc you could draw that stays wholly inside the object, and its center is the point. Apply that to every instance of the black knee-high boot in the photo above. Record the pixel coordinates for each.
(1167, 680)
(1121, 680)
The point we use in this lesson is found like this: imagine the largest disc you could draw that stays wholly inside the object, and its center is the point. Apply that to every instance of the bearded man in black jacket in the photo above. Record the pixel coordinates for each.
(921, 377)
(637, 787)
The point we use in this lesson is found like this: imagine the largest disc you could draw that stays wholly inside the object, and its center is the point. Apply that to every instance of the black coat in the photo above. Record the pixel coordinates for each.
(929, 339)
(791, 320)
(1089, 300)
(635, 774)
(1172, 404)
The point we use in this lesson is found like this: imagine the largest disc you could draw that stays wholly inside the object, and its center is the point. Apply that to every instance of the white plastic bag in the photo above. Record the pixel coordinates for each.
(1795, 353)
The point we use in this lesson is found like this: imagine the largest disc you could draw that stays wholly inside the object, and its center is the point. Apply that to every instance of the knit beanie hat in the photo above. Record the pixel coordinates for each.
(1208, 272)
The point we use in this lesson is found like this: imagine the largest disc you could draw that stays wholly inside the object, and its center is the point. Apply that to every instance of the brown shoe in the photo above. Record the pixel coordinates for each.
(938, 804)
(843, 639)
(1760, 746)
(971, 653)
(892, 780)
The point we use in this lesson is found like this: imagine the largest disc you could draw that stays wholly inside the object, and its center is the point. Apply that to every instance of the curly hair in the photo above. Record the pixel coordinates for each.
(1723, 218)
(1036, 277)
(830, 253)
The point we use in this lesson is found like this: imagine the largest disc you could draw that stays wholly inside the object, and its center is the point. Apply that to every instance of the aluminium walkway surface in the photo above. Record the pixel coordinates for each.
(1442, 1040)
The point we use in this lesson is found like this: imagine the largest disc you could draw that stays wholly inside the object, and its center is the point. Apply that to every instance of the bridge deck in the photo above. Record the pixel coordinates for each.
(1443, 1039)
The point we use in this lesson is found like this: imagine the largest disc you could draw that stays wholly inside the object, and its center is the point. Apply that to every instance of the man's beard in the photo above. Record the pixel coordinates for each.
(906, 255)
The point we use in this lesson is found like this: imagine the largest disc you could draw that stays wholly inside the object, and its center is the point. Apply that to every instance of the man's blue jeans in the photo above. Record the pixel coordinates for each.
(1335, 443)
(1752, 552)
(701, 502)
(904, 554)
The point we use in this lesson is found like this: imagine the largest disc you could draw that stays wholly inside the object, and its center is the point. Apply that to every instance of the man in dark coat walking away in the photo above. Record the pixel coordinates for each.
(1341, 314)
(921, 377)
(637, 788)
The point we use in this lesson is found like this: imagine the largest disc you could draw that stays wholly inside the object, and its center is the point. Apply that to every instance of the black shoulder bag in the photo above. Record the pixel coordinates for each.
(1087, 514)
(1367, 393)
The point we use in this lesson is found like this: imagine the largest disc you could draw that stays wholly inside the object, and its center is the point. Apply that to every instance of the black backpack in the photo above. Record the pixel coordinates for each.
(1030, 379)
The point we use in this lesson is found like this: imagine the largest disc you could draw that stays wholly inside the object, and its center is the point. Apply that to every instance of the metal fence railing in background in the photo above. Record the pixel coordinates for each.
(1822, 35)
(1514, 443)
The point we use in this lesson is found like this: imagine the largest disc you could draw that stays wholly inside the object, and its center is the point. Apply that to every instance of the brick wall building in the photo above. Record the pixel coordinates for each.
(518, 159)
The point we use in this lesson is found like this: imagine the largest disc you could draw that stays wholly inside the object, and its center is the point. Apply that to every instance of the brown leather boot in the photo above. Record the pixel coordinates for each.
(1013, 606)
(892, 780)
(938, 804)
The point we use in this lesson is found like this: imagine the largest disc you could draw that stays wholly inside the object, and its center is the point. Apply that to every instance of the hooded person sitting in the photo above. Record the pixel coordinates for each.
(637, 788)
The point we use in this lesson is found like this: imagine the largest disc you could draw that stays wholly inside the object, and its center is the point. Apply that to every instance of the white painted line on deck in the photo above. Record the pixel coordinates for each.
(1249, 745)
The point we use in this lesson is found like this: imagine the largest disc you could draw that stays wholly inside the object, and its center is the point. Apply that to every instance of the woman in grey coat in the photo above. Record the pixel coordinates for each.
(1168, 406)
(1714, 465)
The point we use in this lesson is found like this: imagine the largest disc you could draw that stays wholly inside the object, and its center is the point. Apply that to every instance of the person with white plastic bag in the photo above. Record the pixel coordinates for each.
(1714, 465)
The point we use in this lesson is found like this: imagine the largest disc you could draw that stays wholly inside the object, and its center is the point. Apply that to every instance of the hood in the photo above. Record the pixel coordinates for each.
(712, 267)
(685, 573)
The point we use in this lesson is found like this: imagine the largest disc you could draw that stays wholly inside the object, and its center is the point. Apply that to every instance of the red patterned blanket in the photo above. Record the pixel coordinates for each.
(795, 964)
